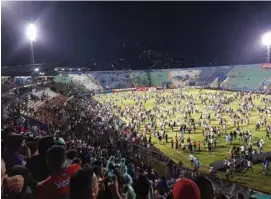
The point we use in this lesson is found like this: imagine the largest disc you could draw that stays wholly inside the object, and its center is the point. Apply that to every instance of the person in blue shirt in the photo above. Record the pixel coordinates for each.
(163, 187)
(265, 166)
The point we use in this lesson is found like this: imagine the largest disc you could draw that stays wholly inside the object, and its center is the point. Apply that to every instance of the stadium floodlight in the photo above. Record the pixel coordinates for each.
(31, 33)
(266, 40)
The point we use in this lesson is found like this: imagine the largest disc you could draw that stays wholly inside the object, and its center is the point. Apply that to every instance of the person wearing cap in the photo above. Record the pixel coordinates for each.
(186, 189)
(59, 141)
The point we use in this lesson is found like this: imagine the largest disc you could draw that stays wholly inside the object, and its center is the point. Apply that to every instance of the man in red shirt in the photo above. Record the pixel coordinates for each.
(57, 185)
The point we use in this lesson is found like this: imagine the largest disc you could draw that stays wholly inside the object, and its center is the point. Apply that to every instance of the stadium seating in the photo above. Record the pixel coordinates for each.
(63, 78)
(247, 77)
(158, 77)
(141, 78)
(113, 79)
(47, 92)
(266, 84)
(36, 103)
(183, 77)
(209, 74)
(86, 80)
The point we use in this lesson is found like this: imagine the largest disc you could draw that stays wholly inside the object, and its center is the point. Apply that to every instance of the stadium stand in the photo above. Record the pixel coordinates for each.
(63, 78)
(37, 99)
(209, 74)
(86, 80)
(89, 125)
(141, 78)
(158, 77)
(247, 77)
(113, 79)
(243, 77)
(181, 78)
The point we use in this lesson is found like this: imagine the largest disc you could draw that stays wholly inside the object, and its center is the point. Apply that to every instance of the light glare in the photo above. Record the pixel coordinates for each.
(31, 32)
(266, 40)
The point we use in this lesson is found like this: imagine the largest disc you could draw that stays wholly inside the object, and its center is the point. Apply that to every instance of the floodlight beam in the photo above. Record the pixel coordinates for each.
(266, 40)
(268, 53)
(31, 33)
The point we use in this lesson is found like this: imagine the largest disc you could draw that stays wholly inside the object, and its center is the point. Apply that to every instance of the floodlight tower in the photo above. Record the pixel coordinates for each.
(31, 33)
(266, 40)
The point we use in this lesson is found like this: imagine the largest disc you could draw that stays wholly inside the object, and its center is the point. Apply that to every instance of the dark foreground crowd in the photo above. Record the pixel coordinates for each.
(90, 159)
(47, 167)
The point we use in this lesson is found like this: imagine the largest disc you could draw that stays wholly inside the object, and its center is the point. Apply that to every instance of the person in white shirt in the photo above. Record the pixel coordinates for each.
(249, 166)
(242, 148)
(229, 163)
(191, 158)
(211, 170)
(225, 162)
(262, 141)
(179, 123)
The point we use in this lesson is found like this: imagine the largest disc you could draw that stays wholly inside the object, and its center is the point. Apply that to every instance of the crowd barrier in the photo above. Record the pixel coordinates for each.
(256, 158)
(123, 90)
(146, 88)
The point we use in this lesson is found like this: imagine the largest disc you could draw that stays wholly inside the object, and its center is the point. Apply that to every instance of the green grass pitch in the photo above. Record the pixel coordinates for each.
(255, 180)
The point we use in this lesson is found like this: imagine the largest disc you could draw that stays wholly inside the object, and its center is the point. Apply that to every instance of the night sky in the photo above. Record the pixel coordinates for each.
(220, 32)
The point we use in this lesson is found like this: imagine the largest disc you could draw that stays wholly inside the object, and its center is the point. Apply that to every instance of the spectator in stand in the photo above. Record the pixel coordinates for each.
(12, 154)
(33, 146)
(60, 141)
(71, 155)
(163, 187)
(205, 186)
(128, 189)
(186, 189)
(77, 161)
(143, 188)
(38, 163)
(97, 169)
(83, 185)
(26, 192)
(57, 185)
(10, 185)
